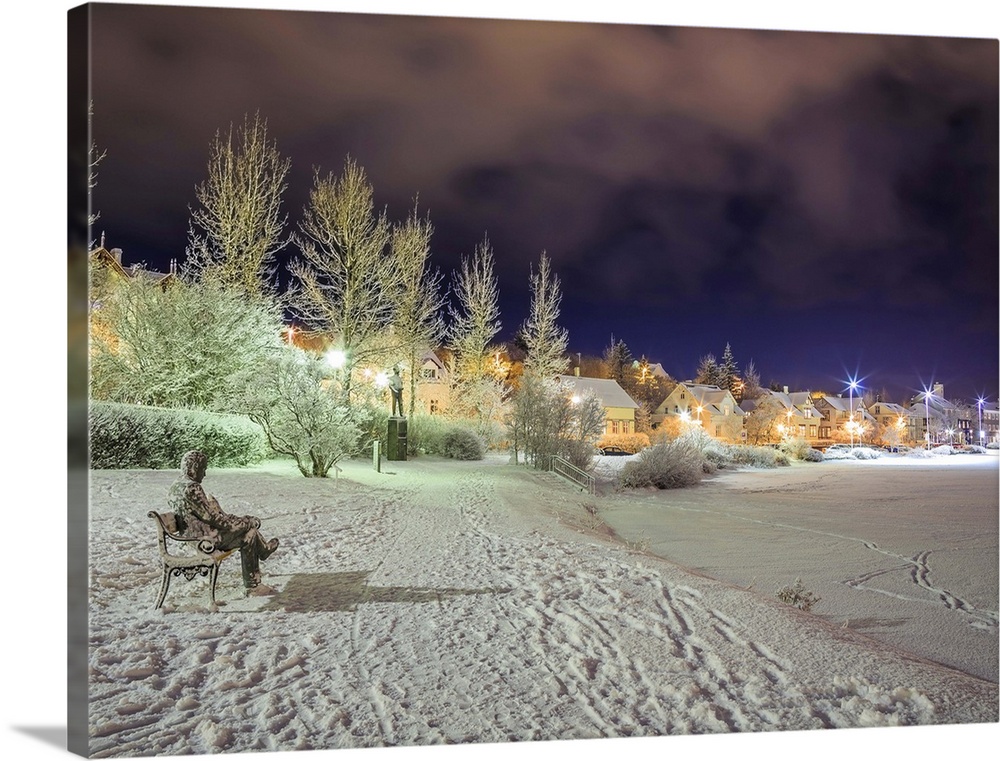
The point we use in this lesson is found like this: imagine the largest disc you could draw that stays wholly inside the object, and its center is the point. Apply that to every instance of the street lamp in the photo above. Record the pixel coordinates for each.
(853, 385)
(927, 416)
(982, 434)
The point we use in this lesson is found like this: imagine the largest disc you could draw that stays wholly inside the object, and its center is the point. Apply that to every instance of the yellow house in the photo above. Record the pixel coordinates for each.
(619, 407)
(713, 408)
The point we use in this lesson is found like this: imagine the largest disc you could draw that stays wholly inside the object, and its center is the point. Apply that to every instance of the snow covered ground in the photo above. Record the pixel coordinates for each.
(445, 602)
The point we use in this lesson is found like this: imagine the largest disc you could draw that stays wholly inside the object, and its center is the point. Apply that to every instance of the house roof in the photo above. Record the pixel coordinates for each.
(605, 389)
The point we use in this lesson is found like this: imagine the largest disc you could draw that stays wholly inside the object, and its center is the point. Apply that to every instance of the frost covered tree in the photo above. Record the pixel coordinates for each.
(346, 281)
(419, 324)
(617, 361)
(547, 419)
(728, 370)
(476, 317)
(303, 414)
(545, 342)
(709, 372)
(187, 344)
(751, 383)
(94, 157)
(477, 392)
(237, 228)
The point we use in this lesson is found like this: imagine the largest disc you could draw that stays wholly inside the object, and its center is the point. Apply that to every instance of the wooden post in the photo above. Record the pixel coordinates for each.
(376, 457)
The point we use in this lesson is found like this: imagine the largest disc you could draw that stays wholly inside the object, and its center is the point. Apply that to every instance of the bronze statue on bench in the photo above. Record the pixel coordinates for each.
(198, 515)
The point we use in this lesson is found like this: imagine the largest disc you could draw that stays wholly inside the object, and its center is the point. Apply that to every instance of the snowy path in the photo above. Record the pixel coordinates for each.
(440, 603)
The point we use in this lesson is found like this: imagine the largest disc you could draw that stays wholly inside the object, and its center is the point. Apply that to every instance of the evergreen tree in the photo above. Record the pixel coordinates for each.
(728, 370)
(618, 361)
(545, 341)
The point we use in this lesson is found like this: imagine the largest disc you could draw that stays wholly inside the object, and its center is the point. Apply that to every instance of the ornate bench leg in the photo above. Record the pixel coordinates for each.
(164, 585)
(213, 576)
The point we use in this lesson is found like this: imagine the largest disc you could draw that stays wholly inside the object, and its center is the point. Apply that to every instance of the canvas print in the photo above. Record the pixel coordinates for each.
(472, 381)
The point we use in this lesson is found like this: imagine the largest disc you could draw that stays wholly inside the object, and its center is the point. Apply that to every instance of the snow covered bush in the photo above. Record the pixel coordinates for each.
(800, 449)
(190, 345)
(462, 443)
(797, 595)
(303, 412)
(132, 436)
(747, 455)
(865, 453)
(669, 465)
(633, 443)
(424, 433)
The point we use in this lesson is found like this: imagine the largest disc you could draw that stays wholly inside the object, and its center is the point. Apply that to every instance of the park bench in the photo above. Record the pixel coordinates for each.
(185, 556)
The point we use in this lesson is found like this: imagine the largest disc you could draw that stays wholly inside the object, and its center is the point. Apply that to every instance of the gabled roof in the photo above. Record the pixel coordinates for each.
(605, 389)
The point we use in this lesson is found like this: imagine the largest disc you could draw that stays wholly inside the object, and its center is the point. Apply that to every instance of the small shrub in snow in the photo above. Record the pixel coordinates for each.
(943, 449)
(993, 445)
(865, 453)
(974, 449)
(813, 455)
(746, 455)
(462, 443)
(580, 454)
(796, 448)
(424, 434)
(797, 595)
(670, 465)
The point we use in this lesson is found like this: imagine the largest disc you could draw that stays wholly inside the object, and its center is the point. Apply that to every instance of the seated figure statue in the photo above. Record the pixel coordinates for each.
(198, 514)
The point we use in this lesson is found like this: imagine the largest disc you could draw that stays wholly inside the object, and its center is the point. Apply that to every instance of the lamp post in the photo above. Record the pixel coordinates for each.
(927, 416)
(982, 434)
(853, 385)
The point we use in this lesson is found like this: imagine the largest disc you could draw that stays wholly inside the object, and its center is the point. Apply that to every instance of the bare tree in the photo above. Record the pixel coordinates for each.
(545, 341)
(236, 232)
(752, 389)
(346, 281)
(94, 157)
(476, 319)
(419, 325)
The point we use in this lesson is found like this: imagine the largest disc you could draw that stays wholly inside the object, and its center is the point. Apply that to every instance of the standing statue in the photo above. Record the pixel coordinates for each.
(198, 515)
(396, 389)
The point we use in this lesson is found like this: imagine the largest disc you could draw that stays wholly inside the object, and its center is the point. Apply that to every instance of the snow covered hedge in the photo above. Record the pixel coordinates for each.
(131, 436)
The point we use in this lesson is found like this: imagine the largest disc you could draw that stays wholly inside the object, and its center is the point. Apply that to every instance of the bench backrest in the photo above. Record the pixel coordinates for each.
(166, 528)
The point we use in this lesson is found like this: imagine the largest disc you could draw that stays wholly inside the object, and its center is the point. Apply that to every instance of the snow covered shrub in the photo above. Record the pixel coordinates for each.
(812, 455)
(461, 442)
(189, 345)
(303, 412)
(993, 445)
(424, 433)
(132, 436)
(797, 595)
(865, 453)
(747, 455)
(633, 443)
(797, 448)
(670, 465)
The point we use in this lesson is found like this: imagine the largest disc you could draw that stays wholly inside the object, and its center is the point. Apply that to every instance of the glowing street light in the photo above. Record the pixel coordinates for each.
(853, 385)
(982, 434)
(927, 416)
(336, 358)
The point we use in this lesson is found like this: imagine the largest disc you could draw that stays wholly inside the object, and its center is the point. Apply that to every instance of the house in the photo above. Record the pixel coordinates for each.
(619, 407)
(106, 267)
(838, 413)
(433, 389)
(789, 415)
(895, 424)
(943, 421)
(989, 432)
(713, 408)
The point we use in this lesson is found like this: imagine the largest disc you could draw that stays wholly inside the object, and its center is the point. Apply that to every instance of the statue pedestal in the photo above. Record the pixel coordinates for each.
(396, 439)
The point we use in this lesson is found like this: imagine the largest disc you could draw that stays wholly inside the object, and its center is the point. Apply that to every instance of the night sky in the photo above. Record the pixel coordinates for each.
(826, 203)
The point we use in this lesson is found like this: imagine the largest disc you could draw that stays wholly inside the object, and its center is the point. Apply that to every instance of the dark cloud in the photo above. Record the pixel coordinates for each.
(699, 172)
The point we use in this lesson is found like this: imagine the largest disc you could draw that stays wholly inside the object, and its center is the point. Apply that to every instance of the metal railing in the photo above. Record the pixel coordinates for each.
(565, 469)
